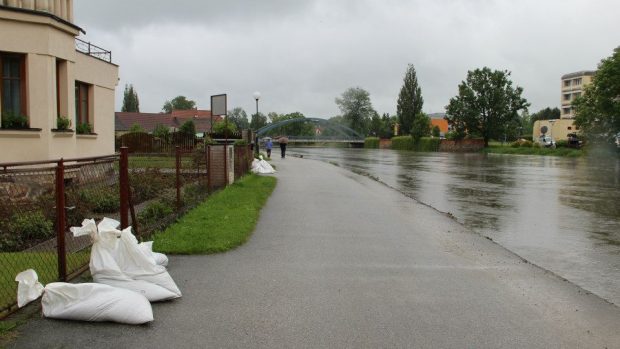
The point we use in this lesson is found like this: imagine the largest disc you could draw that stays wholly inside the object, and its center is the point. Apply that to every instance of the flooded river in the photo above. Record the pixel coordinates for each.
(559, 213)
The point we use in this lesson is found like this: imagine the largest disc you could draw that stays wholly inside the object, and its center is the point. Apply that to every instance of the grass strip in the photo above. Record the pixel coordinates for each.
(224, 221)
(567, 152)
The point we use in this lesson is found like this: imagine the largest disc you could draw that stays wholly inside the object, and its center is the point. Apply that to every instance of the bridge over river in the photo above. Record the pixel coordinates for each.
(341, 133)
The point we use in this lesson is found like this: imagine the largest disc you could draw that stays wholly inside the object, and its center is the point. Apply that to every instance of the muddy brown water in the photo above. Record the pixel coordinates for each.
(562, 214)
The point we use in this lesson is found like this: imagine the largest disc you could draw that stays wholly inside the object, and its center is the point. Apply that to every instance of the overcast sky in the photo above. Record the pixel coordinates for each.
(301, 55)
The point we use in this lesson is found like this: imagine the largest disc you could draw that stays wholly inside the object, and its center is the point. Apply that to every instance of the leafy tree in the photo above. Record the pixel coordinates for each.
(239, 117)
(436, 131)
(376, 125)
(136, 128)
(161, 131)
(597, 111)
(130, 100)
(220, 126)
(409, 106)
(178, 103)
(258, 120)
(545, 114)
(188, 128)
(486, 104)
(356, 108)
(421, 127)
(294, 129)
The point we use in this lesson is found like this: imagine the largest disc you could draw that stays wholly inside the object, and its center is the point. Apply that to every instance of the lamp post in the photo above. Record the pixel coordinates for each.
(256, 97)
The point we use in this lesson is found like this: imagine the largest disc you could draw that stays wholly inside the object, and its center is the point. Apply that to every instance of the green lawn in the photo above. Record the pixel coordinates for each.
(506, 149)
(224, 221)
(44, 263)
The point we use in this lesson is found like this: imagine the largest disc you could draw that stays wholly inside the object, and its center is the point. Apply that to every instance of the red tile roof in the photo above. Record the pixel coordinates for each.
(148, 121)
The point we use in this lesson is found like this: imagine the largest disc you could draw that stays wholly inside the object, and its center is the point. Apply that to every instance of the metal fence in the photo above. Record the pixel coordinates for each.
(40, 200)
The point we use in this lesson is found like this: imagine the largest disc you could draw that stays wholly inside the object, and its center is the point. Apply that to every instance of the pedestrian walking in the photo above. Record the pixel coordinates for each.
(268, 146)
(283, 142)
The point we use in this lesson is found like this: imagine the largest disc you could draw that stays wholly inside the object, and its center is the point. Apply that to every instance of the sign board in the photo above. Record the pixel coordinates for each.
(218, 105)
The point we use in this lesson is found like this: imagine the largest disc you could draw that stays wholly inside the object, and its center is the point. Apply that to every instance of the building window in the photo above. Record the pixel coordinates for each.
(566, 83)
(13, 90)
(578, 81)
(569, 128)
(567, 97)
(83, 122)
(566, 111)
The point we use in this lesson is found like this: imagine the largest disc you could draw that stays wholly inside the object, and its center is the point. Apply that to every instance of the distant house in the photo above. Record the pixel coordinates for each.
(46, 72)
(439, 119)
(149, 121)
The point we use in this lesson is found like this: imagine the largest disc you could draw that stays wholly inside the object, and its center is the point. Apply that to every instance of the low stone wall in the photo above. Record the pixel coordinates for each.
(461, 146)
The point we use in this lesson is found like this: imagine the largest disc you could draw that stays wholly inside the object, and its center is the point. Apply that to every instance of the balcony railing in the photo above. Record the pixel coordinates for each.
(92, 50)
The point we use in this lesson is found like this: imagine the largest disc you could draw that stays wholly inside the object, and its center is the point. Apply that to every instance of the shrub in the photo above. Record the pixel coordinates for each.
(428, 144)
(63, 123)
(101, 200)
(14, 121)
(149, 184)
(241, 142)
(562, 143)
(436, 131)
(371, 142)
(31, 226)
(526, 144)
(154, 211)
(402, 143)
(83, 128)
(515, 144)
(220, 126)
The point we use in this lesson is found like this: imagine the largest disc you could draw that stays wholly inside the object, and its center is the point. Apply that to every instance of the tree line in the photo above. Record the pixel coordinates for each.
(486, 106)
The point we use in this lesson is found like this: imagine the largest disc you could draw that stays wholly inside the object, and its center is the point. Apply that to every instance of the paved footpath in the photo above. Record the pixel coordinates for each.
(341, 261)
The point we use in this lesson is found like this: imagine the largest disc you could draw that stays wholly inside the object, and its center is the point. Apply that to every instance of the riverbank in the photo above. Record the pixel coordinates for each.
(340, 260)
(507, 149)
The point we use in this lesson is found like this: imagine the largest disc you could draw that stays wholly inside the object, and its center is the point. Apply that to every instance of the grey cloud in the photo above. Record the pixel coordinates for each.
(300, 56)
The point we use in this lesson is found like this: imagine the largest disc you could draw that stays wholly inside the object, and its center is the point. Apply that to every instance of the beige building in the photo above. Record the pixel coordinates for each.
(47, 72)
(571, 88)
(558, 129)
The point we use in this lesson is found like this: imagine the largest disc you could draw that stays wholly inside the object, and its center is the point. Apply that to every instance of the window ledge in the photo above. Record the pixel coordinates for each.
(87, 136)
(62, 133)
(21, 133)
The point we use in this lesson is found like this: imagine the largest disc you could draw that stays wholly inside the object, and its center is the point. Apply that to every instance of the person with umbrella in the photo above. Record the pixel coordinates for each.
(283, 140)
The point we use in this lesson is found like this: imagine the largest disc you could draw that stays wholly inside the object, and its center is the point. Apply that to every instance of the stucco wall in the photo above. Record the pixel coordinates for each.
(559, 128)
(43, 40)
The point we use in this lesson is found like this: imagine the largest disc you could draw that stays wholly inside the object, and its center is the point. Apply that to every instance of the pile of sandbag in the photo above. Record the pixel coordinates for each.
(117, 259)
(127, 276)
(261, 166)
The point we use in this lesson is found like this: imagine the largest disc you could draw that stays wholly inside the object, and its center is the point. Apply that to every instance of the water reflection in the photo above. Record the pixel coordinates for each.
(562, 214)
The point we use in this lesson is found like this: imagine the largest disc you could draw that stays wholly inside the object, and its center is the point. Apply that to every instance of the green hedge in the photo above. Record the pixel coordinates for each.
(428, 144)
(402, 143)
(371, 142)
(424, 144)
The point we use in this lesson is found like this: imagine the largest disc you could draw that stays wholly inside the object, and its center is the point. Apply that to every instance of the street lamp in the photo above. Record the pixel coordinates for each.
(256, 97)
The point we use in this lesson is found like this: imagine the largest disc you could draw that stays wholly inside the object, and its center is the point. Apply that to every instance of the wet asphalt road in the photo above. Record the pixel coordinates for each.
(340, 261)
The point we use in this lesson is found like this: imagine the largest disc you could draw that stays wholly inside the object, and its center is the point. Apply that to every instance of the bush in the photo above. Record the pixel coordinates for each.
(101, 200)
(402, 143)
(436, 132)
(562, 143)
(31, 226)
(526, 144)
(155, 211)
(371, 142)
(241, 142)
(515, 144)
(428, 144)
(149, 184)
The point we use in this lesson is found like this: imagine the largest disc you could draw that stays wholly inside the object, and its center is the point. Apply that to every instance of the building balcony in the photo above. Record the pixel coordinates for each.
(93, 51)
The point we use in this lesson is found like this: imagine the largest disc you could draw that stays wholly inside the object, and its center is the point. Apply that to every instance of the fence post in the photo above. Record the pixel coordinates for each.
(61, 221)
(178, 183)
(124, 186)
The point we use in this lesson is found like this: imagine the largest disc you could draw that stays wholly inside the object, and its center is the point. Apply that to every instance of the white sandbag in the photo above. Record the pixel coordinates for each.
(28, 288)
(117, 260)
(159, 258)
(85, 302)
(261, 166)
